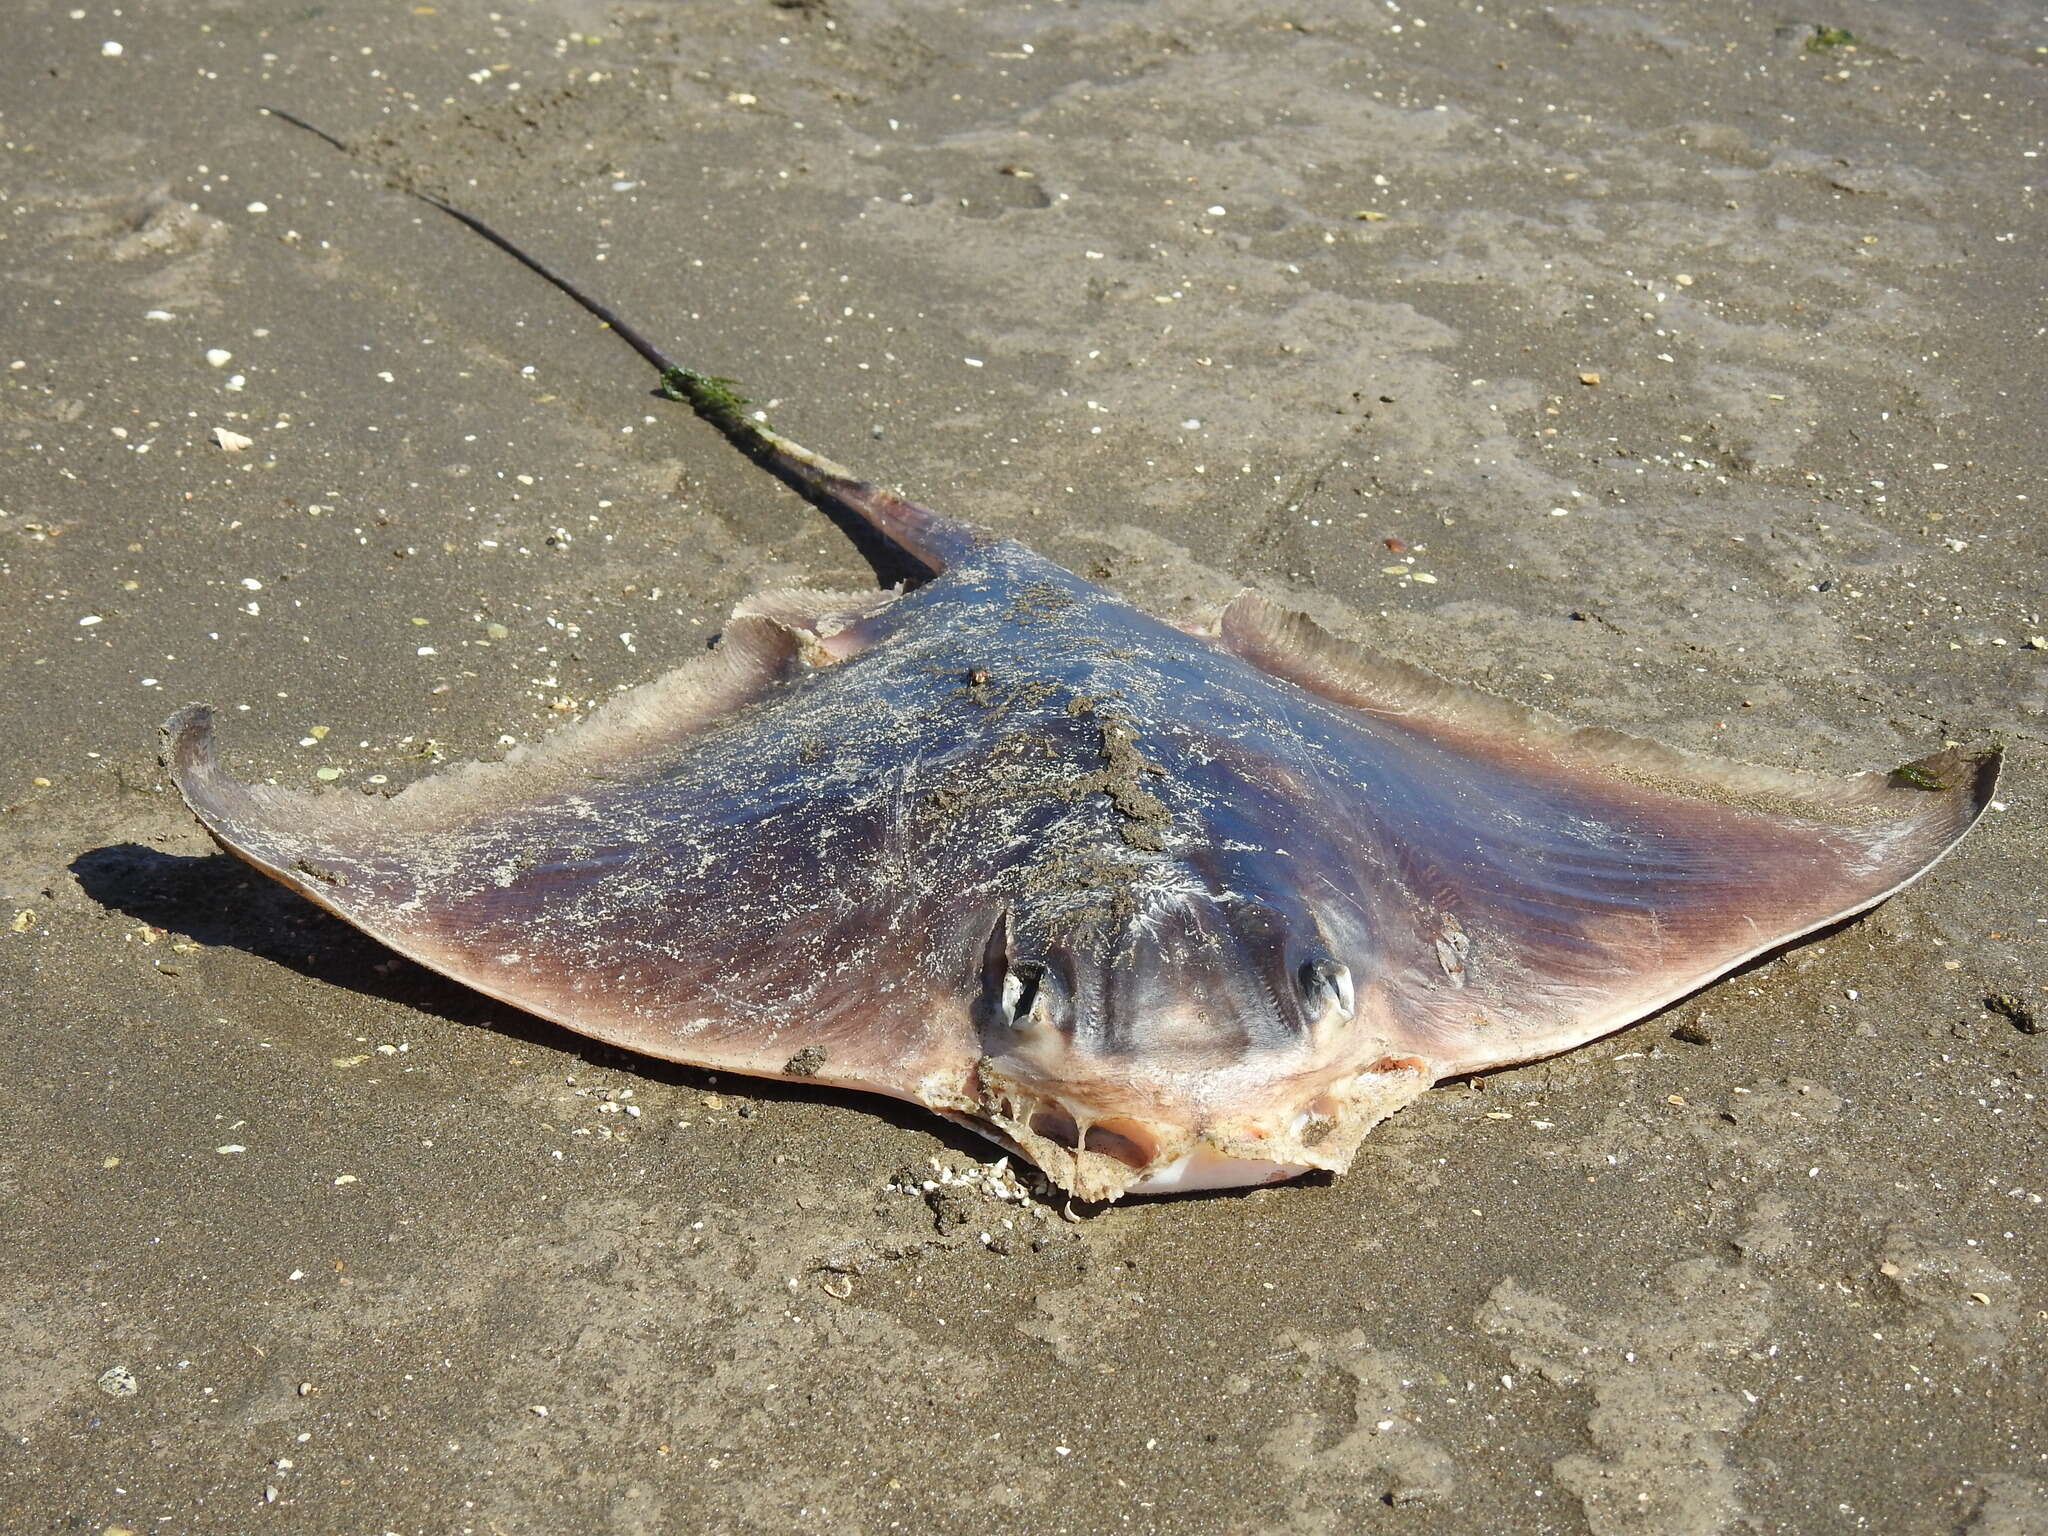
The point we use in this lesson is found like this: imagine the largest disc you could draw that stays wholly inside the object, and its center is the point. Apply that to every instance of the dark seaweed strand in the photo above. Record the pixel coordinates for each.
(716, 401)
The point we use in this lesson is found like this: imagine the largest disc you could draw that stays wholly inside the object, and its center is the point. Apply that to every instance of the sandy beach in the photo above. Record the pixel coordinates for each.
(1673, 368)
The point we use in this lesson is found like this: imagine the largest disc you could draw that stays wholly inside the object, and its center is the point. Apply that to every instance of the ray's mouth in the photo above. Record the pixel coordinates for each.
(1095, 1158)
(1127, 1141)
(1104, 1154)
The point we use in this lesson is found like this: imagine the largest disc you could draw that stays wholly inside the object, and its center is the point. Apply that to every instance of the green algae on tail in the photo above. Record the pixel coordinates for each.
(717, 400)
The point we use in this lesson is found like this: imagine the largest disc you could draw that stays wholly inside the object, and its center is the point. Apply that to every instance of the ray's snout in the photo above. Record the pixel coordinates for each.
(1208, 1044)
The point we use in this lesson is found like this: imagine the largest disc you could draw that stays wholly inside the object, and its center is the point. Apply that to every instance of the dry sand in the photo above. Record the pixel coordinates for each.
(1189, 295)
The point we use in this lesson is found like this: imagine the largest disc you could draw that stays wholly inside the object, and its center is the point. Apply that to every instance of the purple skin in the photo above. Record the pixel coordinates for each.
(1156, 911)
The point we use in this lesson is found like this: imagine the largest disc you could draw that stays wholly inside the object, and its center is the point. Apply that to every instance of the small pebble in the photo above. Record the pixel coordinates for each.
(119, 1381)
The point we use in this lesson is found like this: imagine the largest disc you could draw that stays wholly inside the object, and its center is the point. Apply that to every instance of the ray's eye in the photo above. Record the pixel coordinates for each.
(1326, 983)
(1021, 997)
(1020, 991)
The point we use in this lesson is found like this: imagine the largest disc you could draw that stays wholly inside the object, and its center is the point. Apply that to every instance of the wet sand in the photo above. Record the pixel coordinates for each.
(1691, 352)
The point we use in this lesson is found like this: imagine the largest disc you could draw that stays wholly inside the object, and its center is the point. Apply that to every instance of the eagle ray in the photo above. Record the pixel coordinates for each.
(1158, 911)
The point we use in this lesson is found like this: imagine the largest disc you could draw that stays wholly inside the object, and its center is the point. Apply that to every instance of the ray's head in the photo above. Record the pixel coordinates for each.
(1186, 1039)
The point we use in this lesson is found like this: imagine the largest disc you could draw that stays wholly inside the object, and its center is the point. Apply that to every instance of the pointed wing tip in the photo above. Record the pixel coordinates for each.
(1968, 775)
(187, 734)
(224, 805)
(187, 753)
(1944, 793)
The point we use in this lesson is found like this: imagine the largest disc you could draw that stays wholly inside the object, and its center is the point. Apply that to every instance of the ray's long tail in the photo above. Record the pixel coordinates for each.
(935, 541)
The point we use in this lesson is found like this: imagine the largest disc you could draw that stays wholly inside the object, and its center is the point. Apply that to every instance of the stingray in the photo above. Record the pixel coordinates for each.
(1156, 910)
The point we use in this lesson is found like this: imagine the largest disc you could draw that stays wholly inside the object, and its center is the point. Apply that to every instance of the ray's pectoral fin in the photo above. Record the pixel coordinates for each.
(621, 877)
(1564, 882)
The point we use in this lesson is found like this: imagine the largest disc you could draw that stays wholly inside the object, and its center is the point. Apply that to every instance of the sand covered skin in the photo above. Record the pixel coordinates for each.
(1666, 369)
